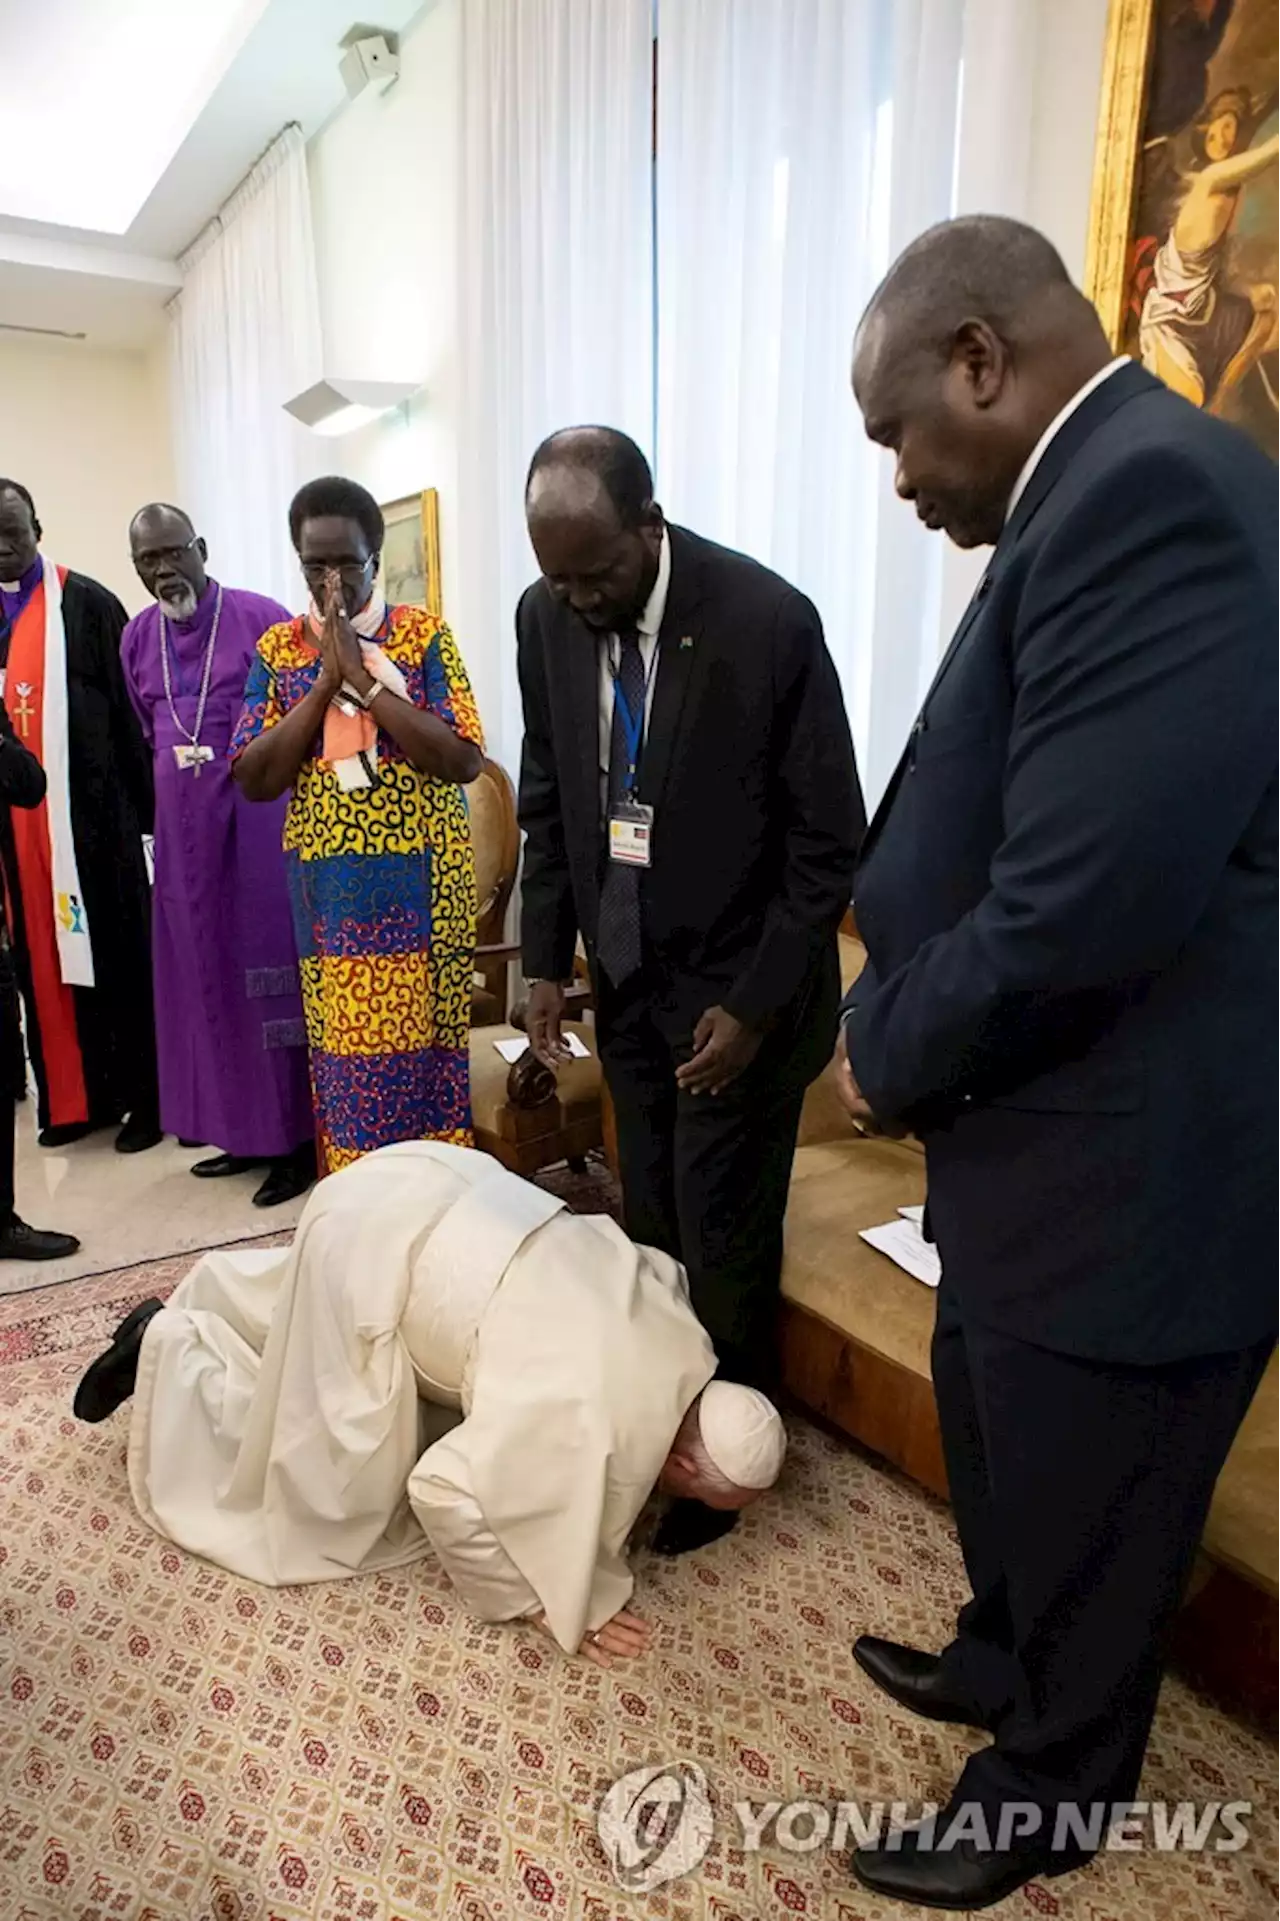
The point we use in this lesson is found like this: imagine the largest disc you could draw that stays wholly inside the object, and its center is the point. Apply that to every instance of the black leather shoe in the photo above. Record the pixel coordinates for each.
(18, 1242)
(110, 1379)
(687, 1525)
(64, 1136)
(289, 1176)
(218, 1166)
(914, 1679)
(964, 1877)
(184, 1142)
(137, 1135)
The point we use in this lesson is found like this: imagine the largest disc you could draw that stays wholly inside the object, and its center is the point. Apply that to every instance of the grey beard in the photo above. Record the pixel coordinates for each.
(181, 608)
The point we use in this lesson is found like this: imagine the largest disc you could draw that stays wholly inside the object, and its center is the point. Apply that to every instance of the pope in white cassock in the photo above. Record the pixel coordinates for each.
(283, 1398)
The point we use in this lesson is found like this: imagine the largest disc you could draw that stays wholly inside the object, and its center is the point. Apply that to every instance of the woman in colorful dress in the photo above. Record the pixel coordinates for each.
(365, 711)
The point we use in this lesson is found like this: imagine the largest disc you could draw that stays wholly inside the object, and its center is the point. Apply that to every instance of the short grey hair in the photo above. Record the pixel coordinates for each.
(978, 267)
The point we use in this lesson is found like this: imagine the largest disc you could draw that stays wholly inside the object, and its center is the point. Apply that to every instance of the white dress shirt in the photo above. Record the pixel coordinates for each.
(610, 653)
(1059, 421)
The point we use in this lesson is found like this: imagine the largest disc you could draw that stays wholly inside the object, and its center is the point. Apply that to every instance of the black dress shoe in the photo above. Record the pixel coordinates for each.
(963, 1877)
(138, 1134)
(18, 1242)
(184, 1142)
(218, 1166)
(64, 1136)
(288, 1176)
(110, 1379)
(691, 1524)
(914, 1679)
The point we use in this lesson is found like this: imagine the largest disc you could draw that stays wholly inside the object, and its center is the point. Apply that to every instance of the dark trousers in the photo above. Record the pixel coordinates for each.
(8, 1118)
(1080, 1490)
(704, 1178)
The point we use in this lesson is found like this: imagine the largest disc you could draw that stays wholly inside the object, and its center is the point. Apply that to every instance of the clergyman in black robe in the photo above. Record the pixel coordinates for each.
(92, 1046)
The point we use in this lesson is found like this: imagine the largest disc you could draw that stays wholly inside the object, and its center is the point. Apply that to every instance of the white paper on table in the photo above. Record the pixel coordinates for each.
(904, 1244)
(915, 1214)
(512, 1050)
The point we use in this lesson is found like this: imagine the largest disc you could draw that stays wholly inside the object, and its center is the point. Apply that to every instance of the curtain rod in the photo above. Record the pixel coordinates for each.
(215, 221)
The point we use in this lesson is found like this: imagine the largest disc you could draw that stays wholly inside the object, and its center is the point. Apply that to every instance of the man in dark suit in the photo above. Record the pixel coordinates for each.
(692, 808)
(1068, 899)
(22, 784)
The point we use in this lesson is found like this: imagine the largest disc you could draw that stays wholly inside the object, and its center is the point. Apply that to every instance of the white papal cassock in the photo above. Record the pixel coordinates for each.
(277, 1427)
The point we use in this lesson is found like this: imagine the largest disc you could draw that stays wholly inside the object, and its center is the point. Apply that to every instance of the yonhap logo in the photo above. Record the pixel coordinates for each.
(655, 1825)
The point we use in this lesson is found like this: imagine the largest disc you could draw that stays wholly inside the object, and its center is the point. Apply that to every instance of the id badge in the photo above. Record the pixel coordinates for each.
(630, 834)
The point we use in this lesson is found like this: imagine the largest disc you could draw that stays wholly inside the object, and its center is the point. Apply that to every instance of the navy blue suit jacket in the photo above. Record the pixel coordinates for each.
(1068, 897)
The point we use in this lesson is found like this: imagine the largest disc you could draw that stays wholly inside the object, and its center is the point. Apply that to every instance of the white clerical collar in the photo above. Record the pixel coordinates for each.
(656, 605)
(1055, 426)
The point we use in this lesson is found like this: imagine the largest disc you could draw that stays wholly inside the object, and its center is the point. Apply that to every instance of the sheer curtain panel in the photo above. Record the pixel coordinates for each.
(555, 281)
(800, 144)
(245, 338)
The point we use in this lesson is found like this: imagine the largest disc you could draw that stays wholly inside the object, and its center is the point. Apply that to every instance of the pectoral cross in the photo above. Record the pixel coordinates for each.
(24, 713)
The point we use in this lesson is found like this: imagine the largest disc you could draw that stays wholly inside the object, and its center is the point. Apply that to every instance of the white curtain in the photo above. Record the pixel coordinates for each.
(555, 282)
(245, 339)
(801, 145)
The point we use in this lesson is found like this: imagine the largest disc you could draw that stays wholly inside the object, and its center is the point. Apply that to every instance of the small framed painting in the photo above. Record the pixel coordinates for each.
(1182, 260)
(411, 552)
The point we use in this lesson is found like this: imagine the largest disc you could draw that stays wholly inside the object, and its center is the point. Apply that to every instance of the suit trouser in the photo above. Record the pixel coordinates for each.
(704, 1178)
(8, 1121)
(1080, 1490)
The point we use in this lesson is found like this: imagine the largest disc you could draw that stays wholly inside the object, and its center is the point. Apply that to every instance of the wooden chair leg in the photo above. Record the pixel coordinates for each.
(609, 1130)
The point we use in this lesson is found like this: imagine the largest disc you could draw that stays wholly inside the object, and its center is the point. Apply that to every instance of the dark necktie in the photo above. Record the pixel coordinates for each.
(618, 938)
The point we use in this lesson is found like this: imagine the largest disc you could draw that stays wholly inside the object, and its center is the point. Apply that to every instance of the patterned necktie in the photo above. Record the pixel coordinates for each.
(618, 938)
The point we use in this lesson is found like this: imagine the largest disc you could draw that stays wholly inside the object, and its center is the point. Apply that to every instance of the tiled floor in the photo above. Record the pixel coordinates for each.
(127, 1207)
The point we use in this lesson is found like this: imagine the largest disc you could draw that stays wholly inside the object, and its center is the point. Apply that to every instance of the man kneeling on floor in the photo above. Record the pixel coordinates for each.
(278, 1418)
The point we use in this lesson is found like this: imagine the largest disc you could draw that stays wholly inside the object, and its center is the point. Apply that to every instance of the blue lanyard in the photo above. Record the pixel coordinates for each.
(632, 724)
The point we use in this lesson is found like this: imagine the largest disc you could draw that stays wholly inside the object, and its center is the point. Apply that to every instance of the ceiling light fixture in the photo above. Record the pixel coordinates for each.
(341, 406)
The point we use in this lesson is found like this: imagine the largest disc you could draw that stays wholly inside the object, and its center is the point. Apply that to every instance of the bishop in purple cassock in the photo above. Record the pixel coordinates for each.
(229, 1028)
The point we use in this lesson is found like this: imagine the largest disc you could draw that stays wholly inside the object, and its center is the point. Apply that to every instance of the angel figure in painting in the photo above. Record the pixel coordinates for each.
(1199, 334)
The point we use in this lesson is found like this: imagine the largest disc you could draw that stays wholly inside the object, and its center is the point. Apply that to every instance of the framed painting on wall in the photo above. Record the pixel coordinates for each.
(411, 552)
(1182, 261)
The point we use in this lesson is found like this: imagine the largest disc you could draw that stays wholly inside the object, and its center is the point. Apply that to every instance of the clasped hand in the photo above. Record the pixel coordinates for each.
(340, 656)
(853, 1100)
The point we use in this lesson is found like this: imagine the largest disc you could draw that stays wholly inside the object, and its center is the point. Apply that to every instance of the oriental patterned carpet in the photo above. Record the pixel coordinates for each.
(177, 1745)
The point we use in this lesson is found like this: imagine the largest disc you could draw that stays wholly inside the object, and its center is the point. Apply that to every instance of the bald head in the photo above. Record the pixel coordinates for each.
(972, 343)
(168, 557)
(594, 524)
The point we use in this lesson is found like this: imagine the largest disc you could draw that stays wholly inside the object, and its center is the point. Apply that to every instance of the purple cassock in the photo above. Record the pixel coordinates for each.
(229, 1029)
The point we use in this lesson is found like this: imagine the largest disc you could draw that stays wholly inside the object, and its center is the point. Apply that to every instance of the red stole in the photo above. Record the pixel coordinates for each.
(55, 1006)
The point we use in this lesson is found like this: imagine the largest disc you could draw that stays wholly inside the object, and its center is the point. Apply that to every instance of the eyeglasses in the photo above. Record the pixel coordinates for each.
(156, 556)
(315, 572)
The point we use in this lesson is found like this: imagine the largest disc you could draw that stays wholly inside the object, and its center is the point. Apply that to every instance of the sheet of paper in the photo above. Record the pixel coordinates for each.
(915, 1214)
(903, 1242)
(512, 1050)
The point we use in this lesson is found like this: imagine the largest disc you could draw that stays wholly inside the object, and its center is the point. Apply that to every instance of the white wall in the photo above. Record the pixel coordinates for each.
(86, 431)
(384, 185)
(1068, 84)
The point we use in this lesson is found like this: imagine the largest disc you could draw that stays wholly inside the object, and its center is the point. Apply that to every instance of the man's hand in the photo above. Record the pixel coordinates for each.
(542, 1017)
(853, 1100)
(624, 1638)
(339, 643)
(722, 1049)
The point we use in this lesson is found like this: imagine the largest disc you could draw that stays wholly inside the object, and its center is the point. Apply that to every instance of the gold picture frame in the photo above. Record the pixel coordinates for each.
(1125, 65)
(1181, 261)
(411, 552)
